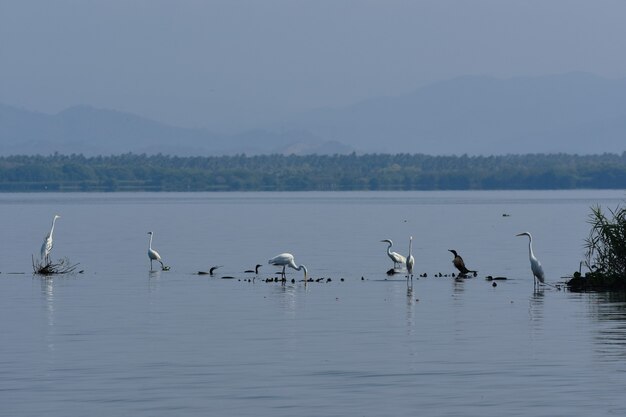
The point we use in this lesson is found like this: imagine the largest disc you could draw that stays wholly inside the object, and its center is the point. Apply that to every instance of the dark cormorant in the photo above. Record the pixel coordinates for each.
(459, 263)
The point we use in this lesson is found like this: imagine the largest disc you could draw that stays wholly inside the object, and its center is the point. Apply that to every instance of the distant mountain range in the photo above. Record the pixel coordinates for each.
(91, 131)
(571, 113)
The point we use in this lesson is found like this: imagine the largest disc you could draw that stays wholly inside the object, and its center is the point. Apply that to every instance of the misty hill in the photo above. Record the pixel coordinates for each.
(90, 131)
(477, 115)
(571, 113)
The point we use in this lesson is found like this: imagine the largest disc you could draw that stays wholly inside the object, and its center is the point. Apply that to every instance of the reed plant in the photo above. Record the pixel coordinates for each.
(605, 252)
(606, 243)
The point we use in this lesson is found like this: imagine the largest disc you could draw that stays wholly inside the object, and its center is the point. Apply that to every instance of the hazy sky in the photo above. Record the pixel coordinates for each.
(232, 64)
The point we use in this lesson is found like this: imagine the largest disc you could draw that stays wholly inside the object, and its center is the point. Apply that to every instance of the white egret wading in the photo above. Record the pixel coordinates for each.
(535, 265)
(395, 256)
(46, 247)
(287, 260)
(154, 255)
(410, 261)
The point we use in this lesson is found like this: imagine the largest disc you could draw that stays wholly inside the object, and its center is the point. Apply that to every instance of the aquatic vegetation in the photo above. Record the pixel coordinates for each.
(606, 252)
(606, 244)
(48, 267)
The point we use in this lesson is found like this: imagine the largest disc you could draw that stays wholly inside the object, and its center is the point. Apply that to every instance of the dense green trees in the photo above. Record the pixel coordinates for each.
(313, 172)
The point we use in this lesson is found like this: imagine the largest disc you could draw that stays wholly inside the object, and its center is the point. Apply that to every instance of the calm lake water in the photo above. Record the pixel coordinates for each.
(121, 340)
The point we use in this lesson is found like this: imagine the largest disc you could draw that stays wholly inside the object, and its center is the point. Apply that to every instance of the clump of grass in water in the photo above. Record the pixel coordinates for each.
(606, 252)
(62, 266)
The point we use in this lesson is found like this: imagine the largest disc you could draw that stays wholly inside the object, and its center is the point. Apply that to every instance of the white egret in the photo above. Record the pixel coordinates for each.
(287, 260)
(46, 247)
(459, 263)
(395, 256)
(154, 255)
(535, 265)
(410, 261)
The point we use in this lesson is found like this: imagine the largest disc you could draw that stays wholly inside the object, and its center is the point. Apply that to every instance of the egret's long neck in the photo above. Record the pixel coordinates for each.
(302, 267)
(530, 247)
(150, 245)
(52, 228)
(410, 244)
(389, 248)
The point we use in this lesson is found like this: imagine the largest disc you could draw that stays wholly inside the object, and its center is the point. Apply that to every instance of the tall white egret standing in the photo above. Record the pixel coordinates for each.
(46, 247)
(154, 255)
(410, 261)
(395, 256)
(535, 265)
(287, 260)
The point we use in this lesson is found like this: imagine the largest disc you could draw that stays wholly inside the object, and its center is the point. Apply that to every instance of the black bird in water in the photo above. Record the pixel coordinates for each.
(459, 264)
(255, 270)
(210, 272)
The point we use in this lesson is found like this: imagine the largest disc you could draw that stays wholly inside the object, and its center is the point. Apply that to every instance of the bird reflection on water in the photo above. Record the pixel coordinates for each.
(47, 291)
(536, 304)
(287, 297)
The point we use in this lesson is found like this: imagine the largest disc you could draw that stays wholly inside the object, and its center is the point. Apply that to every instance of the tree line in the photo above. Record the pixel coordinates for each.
(141, 172)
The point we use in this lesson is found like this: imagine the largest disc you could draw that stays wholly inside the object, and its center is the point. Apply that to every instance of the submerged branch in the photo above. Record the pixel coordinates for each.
(62, 266)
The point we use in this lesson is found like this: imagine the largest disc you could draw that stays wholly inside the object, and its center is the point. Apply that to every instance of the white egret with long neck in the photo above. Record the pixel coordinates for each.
(410, 261)
(535, 265)
(287, 260)
(46, 247)
(395, 256)
(153, 255)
